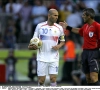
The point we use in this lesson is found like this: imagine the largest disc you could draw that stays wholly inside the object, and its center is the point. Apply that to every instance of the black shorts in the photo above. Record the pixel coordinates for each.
(90, 61)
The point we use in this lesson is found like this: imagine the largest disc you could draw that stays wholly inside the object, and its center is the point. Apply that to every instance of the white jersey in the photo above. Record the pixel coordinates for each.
(49, 36)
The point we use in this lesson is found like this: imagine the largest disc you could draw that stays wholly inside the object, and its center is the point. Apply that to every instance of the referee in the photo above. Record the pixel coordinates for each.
(90, 32)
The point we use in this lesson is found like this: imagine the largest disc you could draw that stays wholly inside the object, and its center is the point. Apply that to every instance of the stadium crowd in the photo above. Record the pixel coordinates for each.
(18, 18)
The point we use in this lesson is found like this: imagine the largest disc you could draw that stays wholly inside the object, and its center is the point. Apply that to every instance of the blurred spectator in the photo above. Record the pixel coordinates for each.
(1, 41)
(53, 5)
(92, 4)
(11, 7)
(19, 4)
(75, 20)
(39, 13)
(59, 2)
(98, 7)
(25, 22)
(9, 36)
(3, 19)
(69, 59)
(64, 11)
(1, 6)
(75, 15)
(67, 5)
(78, 77)
(11, 61)
(81, 5)
(32, 67)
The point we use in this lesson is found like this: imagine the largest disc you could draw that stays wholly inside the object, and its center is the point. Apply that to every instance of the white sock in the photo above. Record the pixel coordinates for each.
(53, 84)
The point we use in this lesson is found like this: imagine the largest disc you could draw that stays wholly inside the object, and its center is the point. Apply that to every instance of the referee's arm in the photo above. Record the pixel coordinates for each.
(75, 30)
(65, 26)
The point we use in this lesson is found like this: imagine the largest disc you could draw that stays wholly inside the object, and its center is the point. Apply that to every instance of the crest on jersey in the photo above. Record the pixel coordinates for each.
(91, 34)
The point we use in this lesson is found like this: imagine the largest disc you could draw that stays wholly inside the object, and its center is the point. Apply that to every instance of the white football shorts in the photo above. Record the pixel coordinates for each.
(45, 68)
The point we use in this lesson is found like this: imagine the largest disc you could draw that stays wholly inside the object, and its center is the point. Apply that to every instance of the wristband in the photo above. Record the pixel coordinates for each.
(69, 28)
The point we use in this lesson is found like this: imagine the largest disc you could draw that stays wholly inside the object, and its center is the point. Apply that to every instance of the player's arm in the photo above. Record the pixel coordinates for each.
(57, 47)
(32, 46)
(74, 30)
(61, 44)
(65, 26)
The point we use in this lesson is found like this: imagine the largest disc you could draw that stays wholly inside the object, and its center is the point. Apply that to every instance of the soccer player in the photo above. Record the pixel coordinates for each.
(90, 32)
(48, 56)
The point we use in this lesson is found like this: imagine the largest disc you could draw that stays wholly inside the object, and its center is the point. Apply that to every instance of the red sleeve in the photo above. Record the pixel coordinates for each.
(81, 31)
(98, 33)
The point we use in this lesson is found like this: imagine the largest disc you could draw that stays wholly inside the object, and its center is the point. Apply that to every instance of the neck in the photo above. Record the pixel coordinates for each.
(90, 21)
(50, 23)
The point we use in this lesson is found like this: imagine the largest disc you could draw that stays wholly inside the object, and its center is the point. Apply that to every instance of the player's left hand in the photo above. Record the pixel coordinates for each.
(55, 47)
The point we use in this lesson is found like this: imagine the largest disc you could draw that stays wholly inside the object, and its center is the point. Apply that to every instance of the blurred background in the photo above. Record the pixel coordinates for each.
(18, 19)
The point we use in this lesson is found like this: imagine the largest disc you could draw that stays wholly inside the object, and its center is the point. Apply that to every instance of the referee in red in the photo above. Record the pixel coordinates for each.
(90, 32)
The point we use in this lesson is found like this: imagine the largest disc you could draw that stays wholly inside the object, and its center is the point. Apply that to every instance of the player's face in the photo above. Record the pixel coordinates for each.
(54, 17)
(85, 17)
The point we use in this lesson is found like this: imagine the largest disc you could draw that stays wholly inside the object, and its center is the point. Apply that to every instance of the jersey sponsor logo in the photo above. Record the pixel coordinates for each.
(91, 34)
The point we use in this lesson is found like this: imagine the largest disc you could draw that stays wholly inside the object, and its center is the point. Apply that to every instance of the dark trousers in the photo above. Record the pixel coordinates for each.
(66, 72)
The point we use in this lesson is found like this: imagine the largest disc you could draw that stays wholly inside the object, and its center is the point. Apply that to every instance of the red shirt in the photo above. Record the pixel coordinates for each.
(91, 35)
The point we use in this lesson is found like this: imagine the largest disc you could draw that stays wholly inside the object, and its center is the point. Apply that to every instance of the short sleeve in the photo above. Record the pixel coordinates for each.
(36, 32)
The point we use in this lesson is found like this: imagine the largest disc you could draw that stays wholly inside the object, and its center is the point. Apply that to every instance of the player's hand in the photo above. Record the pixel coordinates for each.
(63, 24)
(32, 47)
(55, 47)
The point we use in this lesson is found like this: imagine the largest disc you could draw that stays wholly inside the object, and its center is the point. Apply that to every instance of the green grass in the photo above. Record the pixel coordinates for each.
(18, 53)
(22, 66)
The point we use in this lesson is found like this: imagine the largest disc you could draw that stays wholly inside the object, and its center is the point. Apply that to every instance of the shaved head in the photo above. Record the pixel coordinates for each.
(51, 11)
(52, 16)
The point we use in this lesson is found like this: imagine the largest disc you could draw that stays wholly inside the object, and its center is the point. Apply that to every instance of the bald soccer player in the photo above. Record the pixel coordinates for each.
(48, 55)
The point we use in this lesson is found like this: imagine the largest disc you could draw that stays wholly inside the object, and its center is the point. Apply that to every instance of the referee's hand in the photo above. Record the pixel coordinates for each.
(63, 24)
